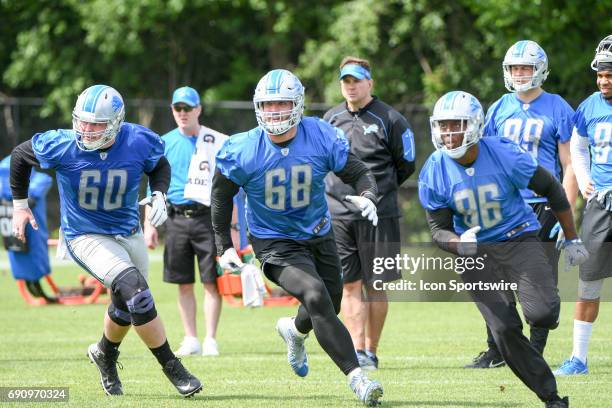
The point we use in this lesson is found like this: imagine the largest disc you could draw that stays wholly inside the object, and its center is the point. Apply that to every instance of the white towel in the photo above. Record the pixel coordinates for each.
(202, 165)
(253, 286)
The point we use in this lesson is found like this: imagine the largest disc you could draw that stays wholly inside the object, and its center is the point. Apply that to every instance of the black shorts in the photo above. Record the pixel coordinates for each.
(320, 253)
(548, 220)
(597, 238)
(185, 238)
(359, 242)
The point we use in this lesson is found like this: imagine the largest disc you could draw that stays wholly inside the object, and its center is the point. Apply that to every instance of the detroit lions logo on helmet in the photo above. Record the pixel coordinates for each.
(116, 103)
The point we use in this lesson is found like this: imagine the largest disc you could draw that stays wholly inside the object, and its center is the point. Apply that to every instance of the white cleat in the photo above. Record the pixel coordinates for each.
(369, 392)
(296, 352)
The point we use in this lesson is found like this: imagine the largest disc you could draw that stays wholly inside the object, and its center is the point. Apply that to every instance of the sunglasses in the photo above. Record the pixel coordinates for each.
(182, 108)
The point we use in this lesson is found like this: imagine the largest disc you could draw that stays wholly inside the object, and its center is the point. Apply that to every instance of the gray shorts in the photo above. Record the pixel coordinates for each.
(597, 238)
(106, 256)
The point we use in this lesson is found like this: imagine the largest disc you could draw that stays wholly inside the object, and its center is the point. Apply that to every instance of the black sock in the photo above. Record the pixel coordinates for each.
(163, 354)
(108, 347)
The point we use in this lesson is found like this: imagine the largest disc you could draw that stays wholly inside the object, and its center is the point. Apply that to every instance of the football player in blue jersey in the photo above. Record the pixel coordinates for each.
(98, 165)
(593, 129)
(281, 165)
(541, 123)
(471, 190)
(29, 259)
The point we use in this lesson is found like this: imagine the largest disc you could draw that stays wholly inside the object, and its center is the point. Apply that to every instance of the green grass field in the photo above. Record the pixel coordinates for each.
(423, 347)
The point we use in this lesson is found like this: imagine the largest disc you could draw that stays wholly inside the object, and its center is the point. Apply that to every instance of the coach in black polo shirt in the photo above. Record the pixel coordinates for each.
(382, 139)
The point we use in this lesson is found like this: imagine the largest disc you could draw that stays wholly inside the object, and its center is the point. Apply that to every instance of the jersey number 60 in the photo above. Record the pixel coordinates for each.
(88, 193)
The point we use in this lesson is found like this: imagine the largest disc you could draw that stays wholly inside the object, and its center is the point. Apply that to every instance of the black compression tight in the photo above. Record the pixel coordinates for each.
(318, 311)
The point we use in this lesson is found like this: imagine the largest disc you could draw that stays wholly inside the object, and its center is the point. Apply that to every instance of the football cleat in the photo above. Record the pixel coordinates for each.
(572, 366)
(296, 352)
(367, 361)
(107, 366)
(487, 359)
(558, 403)
(369, 392)
(186, 384)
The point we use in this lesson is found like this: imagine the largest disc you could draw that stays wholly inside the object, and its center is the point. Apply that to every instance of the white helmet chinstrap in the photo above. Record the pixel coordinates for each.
(457, 105)
(525, 53)
(97, 104)
(279, 85)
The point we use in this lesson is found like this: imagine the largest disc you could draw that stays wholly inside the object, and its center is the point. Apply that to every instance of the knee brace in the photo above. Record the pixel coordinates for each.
(589, 290)
(132, 288)
(117, 311)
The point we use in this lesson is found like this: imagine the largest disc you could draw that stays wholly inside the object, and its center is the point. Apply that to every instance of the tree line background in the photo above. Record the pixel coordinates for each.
(50, 50)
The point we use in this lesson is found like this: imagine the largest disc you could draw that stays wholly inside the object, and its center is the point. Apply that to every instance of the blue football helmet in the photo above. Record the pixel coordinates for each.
(457, 105)
(279, 85)
(603, 52)
(97, 104)
(525, 53)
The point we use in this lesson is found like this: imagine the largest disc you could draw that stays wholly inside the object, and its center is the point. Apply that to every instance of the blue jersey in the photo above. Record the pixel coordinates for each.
(99, 190)
(537, 127)
(485, 194)
(34, 264)
(179, 151)
(593, 119)
(285, 185)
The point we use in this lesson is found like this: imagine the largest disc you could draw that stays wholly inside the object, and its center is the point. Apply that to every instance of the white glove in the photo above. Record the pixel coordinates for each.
(230, 260)
(468, 244)
(366, 206)
(158, 214)
(575, 252)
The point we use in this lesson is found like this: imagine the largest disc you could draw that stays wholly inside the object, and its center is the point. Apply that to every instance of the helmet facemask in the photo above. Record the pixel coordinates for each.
(457, 106)
(525, 53)
(98, 104)
(277, 123)
(469, 130)
(277, 86)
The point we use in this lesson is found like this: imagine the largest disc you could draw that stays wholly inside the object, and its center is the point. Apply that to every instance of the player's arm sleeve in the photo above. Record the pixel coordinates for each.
(357, 175)
(222, 204)
(159, 177)
(22, 161)
(402, 148)
(546, 185)
(441, 225)
(581, 159)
